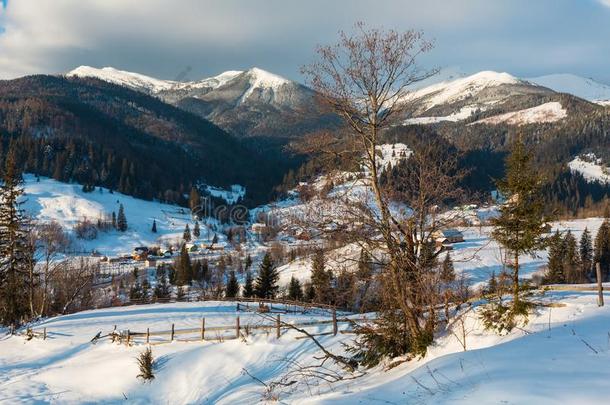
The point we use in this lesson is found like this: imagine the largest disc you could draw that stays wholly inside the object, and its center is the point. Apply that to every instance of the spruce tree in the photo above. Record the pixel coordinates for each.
(184, 273)
(295, 292)
(186, 235)
(266, 281)
(121, 221)
(154, 226)
(520, 226)
(555, 266)
(602, 248)
(248, 263)
(447, 270)
(365, 268)
(196, 230)
(586, 252)
(320, 278)
(571, 263)
(248, 291)
(114, 220)
(232, 288)
(16, 255)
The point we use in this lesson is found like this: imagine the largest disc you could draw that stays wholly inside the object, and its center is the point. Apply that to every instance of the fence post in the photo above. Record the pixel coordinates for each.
(334, 321)
(202, 328)
(277, 326)
(44, 333)
(237, 328)
(147, 335)
(600, 288)
(127, 340)
(172, 335)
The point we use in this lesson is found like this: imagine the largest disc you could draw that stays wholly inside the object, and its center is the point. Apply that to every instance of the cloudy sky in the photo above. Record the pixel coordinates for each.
(168, 38)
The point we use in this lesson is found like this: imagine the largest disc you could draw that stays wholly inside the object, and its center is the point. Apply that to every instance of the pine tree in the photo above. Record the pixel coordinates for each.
(295, 292)
(602, 248)
(266, 281)
(121, 221)
(186, 235)
(232, 288)
(184, 272)
(320, 278)
(447, 270)
(571, 263)
(196, 230)
(114, 220)
(310, 292)
(154, 226)
(586, 252)
(248, 291)
(555, 273)
(16, 255)
(365, 269)
(520, 225)
(248, 263)
(162, 289)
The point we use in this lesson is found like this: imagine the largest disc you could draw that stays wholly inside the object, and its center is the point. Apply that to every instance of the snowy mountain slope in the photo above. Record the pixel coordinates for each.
(253, 102)
(559, 356)
(547, 112)
(458, 98)
(132, 80)
(578, 86)
(591, 169)
(50, 200)
(257, 79)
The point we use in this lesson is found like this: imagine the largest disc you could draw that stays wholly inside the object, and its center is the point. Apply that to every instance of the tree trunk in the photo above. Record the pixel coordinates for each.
(516, 282)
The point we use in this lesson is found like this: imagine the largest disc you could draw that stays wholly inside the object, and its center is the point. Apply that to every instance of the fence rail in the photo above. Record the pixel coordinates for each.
(234, 331)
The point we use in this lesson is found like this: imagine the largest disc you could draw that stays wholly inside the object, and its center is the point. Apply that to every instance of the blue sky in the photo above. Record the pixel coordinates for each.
(162, 37)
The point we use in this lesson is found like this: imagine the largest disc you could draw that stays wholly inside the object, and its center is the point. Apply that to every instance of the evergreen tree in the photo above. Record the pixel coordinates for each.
(520, 225)
(447, 270)
(555, 273)
(162, 288)
(184, 271)
(114, 220)
(365, 268)
(121, 221)
(586, 252)
(571, 263)
(187, 233)
(602, 248)
(232, 288)
(16, 255)
(492, 284)
(248, 263)
(295, 292)
(248, 287)
(320, 278)
(154, 226)
(196, 230)
(266, 281)
(310, 292)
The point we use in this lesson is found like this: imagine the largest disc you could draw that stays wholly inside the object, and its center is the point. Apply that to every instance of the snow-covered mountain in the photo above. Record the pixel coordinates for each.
(578, 86)
(458, 98)
(250, 102)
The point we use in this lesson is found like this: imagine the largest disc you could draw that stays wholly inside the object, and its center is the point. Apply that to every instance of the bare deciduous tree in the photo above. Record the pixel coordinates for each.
(365, 79)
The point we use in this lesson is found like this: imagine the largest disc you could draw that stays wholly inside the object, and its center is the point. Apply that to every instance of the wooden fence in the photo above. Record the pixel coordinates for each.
(226, 332)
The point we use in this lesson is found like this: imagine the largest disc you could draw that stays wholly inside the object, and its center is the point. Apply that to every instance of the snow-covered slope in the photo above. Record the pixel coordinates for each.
(560, 356)
(447, 92)
(257, 79)
(132, 80)
(547, 112)
(591, 169)
(578, 86)
(50, 200)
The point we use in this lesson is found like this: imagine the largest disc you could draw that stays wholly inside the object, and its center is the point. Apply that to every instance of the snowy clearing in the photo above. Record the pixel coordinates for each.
(547, 112)
(591, 171)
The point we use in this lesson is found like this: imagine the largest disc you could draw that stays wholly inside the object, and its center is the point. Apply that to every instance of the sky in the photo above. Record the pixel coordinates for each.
(192, 39)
